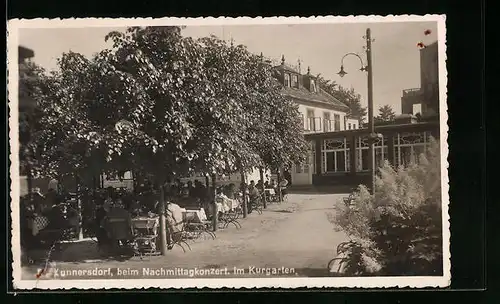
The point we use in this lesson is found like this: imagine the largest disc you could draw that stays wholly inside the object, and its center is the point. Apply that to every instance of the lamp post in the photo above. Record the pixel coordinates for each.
(371, 126)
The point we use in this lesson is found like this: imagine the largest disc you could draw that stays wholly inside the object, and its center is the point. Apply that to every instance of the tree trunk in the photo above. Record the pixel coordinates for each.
(280, 197)
(207, 181)
(215, 216)
(163, 222)
(29, 180)
(79, 207)
(244, 193)
(261, 171)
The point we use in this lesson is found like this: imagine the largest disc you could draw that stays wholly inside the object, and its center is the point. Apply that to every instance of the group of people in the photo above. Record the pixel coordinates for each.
(50, 211)
(45, 212)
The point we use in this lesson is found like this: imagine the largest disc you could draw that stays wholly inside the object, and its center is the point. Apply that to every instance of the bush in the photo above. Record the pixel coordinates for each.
(400, 227)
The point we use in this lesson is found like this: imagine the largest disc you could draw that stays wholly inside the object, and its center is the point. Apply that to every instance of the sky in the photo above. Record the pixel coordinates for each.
(395, 55)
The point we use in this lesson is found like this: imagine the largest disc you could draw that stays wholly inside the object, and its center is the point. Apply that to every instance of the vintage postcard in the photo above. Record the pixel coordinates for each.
(229, 152)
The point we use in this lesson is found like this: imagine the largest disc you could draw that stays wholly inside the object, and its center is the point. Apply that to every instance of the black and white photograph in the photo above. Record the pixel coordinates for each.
(229, 152)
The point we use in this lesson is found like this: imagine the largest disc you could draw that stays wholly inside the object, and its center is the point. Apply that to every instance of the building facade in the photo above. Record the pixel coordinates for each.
(320, 111)
(427, 96)
(342, 158)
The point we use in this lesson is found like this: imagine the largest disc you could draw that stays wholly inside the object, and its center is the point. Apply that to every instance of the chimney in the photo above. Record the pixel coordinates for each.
(307, 79)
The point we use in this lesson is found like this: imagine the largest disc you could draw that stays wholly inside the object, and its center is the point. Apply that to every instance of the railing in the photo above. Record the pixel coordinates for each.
(414, 91)
(320, 125)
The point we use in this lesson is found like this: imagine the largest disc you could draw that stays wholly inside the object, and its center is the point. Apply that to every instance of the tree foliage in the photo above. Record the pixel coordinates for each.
(347, 96)
(386, 114)
(400, 227)
(164, 104)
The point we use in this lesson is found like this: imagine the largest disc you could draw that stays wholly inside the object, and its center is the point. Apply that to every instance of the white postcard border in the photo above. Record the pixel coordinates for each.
(289, 283)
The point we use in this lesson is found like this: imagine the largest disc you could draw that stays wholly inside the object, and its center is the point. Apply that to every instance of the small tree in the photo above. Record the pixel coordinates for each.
(386, 113)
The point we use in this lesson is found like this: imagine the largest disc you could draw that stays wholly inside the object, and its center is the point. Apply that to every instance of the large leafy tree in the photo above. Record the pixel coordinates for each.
(347, 96)
(165, 105)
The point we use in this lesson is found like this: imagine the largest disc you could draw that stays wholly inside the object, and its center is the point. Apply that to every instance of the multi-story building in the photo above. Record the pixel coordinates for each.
(320, 111)
(427, 96)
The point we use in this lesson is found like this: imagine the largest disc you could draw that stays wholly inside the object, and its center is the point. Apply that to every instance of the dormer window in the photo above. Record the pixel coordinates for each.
(313, 86)
(295, 81)
(287, 80)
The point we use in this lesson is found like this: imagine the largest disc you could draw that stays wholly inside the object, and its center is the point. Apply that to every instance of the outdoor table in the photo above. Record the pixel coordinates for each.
(145, 222)
(270, 191)
(197, 215)
(146, 234)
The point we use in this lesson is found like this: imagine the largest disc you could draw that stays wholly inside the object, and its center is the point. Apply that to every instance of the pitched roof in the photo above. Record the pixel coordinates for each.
(322, 97)
(25, 53)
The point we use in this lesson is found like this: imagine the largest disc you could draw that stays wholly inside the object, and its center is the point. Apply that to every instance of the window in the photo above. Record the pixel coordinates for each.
(363, 153)
(336, 118)
(354, 126)
(298, 168)
(295, 81)
(327, 124)
(287, 80)
(310, 120)
(335, 156)
(408, 147)
(313, 86)
(349, 126)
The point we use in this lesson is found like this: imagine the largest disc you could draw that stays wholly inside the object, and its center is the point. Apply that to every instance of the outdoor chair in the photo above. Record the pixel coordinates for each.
(197, 227)
(230, 217)
(284, 194)
(271, 196)
(145, 236)
(257, 204)
(121, 234)
(178, 235)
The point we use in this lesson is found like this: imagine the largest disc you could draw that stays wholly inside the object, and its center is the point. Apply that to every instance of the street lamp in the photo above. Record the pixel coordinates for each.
(371, 126)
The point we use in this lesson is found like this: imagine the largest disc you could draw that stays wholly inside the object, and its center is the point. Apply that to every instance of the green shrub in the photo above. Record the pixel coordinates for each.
(400, 227)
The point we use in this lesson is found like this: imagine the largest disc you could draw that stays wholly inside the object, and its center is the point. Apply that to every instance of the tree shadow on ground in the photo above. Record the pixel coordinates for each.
(281, 211)
(76, 253)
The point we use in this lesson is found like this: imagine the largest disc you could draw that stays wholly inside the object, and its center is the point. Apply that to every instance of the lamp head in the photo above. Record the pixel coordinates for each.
(342, 73)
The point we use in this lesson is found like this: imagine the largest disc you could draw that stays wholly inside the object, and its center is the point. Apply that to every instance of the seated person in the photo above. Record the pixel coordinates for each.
(253, 195)
(190, 189)
(260, 185)
(283, 183)
(283, 186)
(230, 191)
(101, 233)
(118, 212)
(273, 185)
(226, 202)
(175, 223)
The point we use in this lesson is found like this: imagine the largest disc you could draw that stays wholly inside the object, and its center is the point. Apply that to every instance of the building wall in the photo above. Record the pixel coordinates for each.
(429, 79)
(337, 163)
(351, 123)
(234, 178)
(320, 123)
